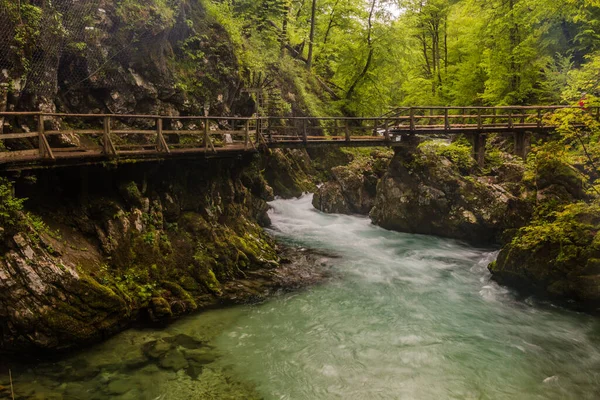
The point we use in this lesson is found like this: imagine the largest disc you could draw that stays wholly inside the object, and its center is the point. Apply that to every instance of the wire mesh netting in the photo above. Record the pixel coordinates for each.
(35, 34)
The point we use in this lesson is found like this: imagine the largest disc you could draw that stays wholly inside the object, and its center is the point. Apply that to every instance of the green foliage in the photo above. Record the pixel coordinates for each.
(458, 152)
(148, 17)
(571, 229)
(11, 208)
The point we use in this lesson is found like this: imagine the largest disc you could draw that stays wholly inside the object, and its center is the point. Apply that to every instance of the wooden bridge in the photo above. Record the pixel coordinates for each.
(33, 139)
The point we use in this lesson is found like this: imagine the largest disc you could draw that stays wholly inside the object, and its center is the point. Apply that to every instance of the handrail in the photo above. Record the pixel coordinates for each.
(210, 135)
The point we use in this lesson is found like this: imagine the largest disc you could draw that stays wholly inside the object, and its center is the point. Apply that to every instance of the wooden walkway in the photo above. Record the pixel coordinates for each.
(34, 140)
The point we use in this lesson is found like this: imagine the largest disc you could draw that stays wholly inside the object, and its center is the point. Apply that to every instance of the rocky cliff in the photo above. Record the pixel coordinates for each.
(94, 249)
(557, 256)
(430, 189)
(118, 57)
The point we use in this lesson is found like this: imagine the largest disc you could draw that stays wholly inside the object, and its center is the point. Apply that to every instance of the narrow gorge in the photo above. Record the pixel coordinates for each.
(281, 199)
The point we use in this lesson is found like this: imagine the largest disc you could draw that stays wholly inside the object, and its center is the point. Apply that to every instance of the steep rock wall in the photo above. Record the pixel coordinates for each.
(138, 242)
(424, 191)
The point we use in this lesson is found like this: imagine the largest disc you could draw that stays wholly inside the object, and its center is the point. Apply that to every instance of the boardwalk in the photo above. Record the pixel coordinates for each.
(29, 140)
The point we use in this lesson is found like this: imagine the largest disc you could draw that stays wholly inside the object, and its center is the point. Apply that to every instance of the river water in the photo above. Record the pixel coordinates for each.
(405, 317)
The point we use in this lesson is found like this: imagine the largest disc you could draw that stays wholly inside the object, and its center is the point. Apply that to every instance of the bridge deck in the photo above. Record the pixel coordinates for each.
(124, 138)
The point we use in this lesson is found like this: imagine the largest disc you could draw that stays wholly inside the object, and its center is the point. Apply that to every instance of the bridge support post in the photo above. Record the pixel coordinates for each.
(522, 140)
(305, 131)
(479, 140)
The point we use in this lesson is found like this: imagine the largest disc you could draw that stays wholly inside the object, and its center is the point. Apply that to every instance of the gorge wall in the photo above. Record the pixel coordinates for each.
(98, 248)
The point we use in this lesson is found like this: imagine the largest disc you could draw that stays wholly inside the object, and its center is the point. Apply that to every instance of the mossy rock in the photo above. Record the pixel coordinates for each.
(556, 255)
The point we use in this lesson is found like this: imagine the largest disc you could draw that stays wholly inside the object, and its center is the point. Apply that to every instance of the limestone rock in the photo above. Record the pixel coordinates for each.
(330, 199)
(424, 192)
(559, 258)
(353, 187)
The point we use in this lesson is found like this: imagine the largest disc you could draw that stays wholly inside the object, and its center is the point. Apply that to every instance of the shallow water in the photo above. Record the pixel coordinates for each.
(407, 317)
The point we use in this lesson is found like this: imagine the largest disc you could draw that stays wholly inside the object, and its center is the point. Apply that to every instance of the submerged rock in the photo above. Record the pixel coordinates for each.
(174, 360)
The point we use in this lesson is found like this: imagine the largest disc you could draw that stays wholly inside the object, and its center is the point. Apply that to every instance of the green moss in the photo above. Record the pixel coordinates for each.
(459, 153)
(151, 16)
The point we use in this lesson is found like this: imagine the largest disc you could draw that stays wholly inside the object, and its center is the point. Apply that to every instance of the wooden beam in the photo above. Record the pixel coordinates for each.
(160, 139)
(45, 150)
(108, 146)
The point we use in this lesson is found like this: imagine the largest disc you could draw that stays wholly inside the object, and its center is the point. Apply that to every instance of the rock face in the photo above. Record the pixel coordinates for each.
(354, 186)
(114, 58)
(558, 256)
(426, 191)
(138, 242)
(287, 171)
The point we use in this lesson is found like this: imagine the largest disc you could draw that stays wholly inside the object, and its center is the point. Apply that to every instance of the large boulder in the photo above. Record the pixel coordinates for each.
(558, 255)
(429, 190)
(354, 186)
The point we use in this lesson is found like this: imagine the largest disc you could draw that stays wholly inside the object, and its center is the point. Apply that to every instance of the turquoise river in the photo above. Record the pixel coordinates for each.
(403, 317)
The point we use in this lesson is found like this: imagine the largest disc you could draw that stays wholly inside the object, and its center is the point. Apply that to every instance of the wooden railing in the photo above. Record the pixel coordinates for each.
(416, 120)
(122, 136)
(101, 137)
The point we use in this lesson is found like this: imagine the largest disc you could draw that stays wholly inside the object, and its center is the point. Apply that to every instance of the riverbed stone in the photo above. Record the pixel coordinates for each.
(185, 341)
(119, 386)
(156, 349)
(201, 356)
(174, 360)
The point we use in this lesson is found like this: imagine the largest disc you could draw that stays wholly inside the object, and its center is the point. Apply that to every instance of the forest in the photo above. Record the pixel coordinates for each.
(372, 55)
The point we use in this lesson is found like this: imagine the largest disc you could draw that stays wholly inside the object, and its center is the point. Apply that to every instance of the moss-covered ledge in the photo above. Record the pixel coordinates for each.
(558, 255)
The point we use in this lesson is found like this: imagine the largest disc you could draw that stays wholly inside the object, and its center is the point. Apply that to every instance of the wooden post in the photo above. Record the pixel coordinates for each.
(45, 150)
(510, 119)
(42, 148)
(207, 140)
(412, 120)
(108, 147)
(247, 134)
(305, 131)
(479, 121)
(162, 143)
(446, 120)
(347, 128)
(387, 131)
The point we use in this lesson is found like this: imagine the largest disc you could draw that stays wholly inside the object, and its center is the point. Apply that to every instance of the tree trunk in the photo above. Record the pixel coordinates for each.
(364, 71)
(330, 24)
(312, 35)
(284, 29)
